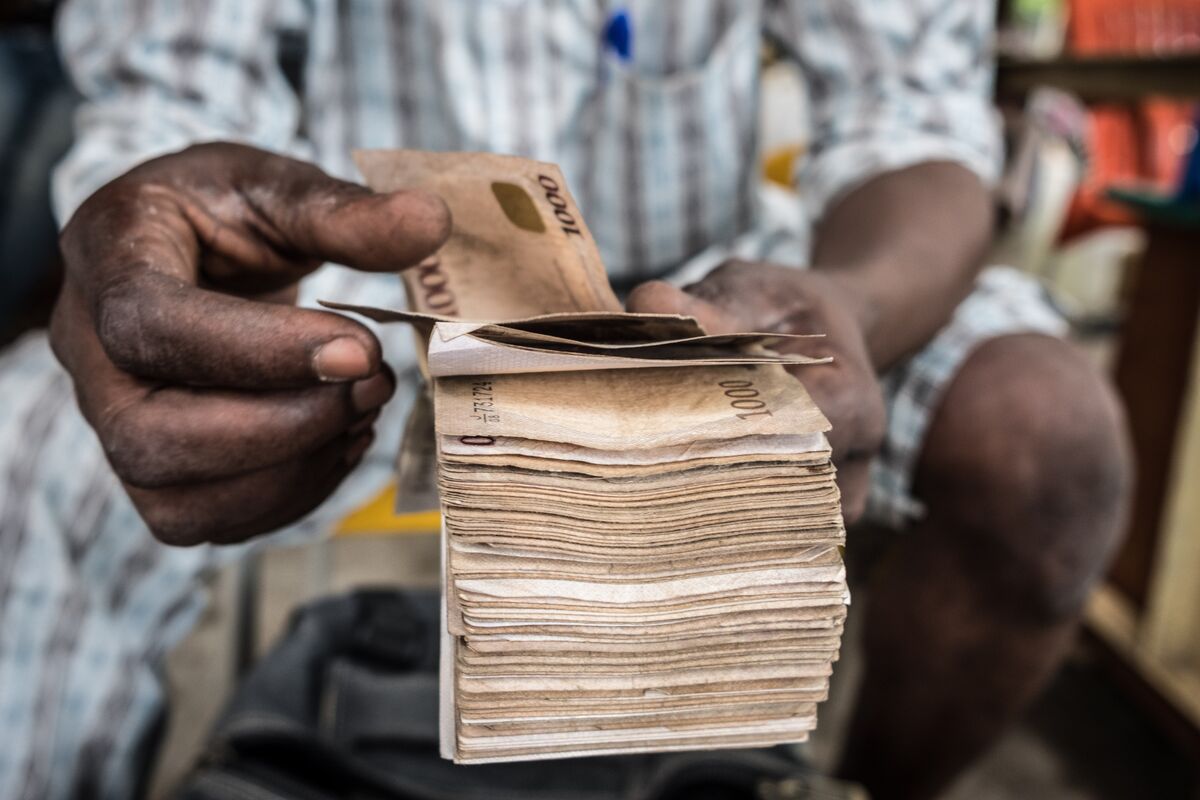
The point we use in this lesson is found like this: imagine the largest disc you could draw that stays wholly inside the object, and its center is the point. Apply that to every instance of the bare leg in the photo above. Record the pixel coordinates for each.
(1025, 475)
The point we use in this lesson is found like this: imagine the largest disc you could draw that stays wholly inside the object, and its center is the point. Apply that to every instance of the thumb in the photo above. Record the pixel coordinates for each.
(241, 198)
(659, 297)
(332, 220)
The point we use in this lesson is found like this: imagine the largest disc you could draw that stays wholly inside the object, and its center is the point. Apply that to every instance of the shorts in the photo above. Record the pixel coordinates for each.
(1005, 301)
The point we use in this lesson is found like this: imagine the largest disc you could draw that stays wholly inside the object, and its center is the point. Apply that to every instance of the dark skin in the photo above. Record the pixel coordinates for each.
(225, 410)
(879, 291)
(228, 413)
(1024, 472)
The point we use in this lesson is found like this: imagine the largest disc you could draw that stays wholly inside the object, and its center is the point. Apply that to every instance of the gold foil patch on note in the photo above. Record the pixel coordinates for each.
(518, 207)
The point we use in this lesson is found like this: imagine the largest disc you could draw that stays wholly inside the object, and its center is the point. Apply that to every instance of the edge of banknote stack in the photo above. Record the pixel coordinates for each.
(641, 529)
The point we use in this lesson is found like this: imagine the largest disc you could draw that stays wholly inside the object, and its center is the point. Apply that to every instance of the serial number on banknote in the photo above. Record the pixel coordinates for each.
(744, 398)
(483, 402)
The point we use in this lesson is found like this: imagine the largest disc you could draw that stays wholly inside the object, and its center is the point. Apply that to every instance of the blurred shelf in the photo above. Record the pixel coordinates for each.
(1103, 78)
(1168, 689)
(1156, 209)
(1145, 616)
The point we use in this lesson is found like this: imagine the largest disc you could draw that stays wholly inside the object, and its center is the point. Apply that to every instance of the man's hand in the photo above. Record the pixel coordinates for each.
(740, 296)
(225, 410)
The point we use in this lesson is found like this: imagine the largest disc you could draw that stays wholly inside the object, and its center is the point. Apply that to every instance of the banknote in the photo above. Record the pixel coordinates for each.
(642, 529)
(469, 348)
(519, 246)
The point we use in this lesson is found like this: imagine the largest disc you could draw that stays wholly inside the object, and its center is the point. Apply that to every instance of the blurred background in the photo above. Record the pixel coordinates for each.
(36, 102)
(1101, 199)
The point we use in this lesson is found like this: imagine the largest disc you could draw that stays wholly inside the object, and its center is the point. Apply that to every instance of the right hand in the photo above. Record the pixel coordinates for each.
(741, 296)
(225, 410)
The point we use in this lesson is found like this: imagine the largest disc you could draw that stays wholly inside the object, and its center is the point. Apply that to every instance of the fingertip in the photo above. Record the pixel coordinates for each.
(438, 218)
(371, 393)
(422, 224)
(384, 232)
(656, 297)
(660, 297)
(342, 359)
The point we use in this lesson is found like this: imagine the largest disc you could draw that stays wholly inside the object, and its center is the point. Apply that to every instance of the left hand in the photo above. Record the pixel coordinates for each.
(744, 296)
(225, 411)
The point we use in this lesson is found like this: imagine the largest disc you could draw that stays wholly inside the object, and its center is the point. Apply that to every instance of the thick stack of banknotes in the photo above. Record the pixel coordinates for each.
(641, 526)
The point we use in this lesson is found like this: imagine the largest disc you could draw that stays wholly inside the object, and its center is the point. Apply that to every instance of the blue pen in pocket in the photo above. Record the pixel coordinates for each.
(618, 34)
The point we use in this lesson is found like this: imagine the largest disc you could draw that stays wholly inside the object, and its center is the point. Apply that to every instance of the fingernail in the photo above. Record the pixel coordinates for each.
(363, 424)
(342, 359)
(358, 447)
(369, 394)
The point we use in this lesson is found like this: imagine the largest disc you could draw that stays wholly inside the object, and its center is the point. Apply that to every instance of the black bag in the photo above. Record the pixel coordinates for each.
(346, 705)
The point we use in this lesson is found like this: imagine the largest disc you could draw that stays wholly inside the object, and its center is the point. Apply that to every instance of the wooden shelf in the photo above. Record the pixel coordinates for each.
(1167, 688)
(1152, 632)
(1103, 78)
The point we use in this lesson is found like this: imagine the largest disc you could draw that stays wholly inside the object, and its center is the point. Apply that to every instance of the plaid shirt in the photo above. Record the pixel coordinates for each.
(659, 147)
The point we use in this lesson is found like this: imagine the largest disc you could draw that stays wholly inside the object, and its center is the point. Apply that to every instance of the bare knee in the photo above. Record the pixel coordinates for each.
(1027, 461)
